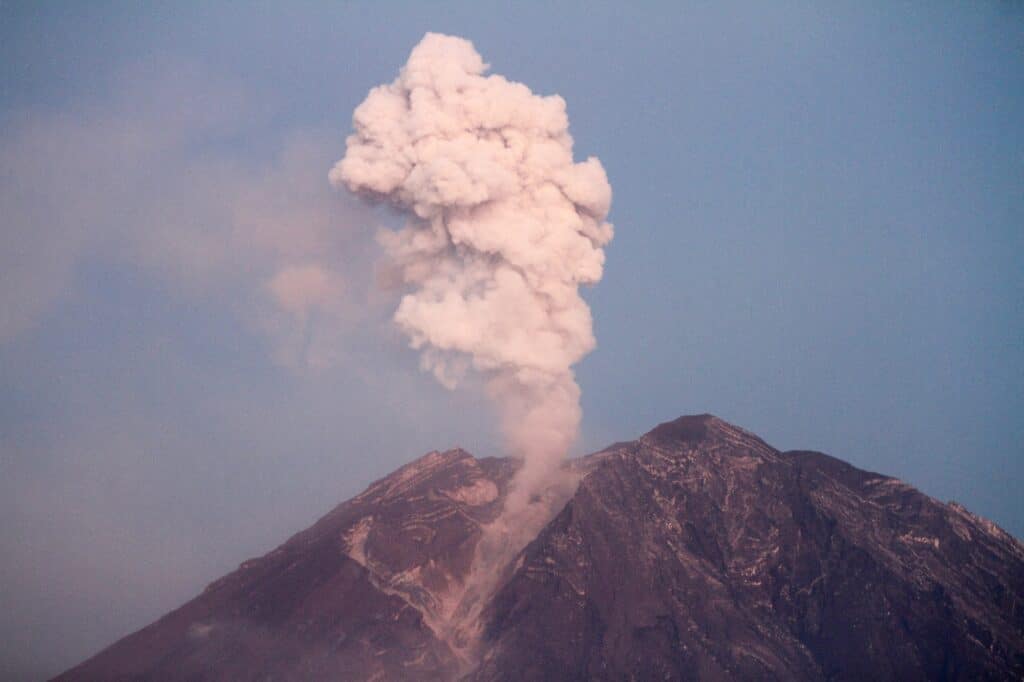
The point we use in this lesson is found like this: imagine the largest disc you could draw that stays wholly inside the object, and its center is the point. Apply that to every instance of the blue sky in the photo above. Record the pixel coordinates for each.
(818, 214)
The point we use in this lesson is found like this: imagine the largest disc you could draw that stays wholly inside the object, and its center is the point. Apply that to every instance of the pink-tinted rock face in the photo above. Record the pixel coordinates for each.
(695, 552)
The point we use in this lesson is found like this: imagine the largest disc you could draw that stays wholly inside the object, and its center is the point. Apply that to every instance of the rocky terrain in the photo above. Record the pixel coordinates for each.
(695, 552)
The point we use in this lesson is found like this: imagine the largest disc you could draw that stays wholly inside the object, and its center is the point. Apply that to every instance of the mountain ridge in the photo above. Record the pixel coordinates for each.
(696, 551)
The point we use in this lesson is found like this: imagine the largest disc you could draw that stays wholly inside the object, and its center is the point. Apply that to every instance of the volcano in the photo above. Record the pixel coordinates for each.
(697, 551)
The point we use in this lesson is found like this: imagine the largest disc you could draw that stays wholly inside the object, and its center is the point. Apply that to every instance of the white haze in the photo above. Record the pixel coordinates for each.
(502, 228)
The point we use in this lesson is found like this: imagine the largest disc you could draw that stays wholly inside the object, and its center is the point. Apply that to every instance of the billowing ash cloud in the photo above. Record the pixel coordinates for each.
(502, 229)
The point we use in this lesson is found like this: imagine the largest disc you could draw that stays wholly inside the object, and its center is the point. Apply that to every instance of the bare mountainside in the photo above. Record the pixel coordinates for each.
(694, 552)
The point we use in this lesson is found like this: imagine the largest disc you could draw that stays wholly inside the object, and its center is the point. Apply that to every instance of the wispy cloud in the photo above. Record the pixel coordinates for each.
(154, 175)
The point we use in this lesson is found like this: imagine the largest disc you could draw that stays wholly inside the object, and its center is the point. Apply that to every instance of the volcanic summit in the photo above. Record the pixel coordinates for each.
(697, 551)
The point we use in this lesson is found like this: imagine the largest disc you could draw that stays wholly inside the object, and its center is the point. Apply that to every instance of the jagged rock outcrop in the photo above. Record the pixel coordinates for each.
(695, 552)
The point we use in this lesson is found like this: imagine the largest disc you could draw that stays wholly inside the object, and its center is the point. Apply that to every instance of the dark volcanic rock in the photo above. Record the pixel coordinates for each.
(699, 552)
(352, 597)
(695, 552)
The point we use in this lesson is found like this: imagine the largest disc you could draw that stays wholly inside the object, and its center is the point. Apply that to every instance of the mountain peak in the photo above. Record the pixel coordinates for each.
(706, 432)
(687, 428)
(427, 470)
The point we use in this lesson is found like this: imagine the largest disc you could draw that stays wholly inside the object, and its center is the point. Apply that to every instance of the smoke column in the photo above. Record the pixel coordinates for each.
(502, 229)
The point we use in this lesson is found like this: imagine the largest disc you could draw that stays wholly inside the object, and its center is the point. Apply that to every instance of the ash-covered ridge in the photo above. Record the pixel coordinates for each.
(695, 552)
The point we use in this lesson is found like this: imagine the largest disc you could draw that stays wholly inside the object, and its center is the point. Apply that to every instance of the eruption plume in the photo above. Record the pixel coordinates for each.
(502, 229)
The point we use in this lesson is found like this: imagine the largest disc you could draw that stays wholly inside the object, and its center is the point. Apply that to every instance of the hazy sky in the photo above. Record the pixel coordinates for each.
(818, 212)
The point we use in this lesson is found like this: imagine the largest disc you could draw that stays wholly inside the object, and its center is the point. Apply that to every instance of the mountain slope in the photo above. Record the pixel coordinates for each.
(701, 552)
(695, 552)
(352, 597)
